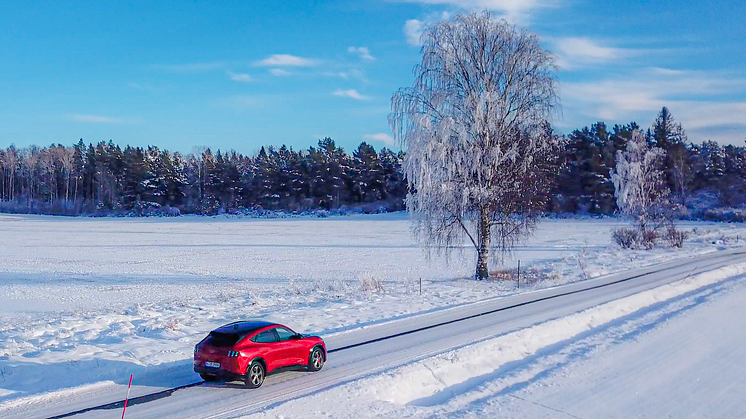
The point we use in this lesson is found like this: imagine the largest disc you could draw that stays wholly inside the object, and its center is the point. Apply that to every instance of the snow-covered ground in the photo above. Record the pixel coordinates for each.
(85, 301)
(675, 351)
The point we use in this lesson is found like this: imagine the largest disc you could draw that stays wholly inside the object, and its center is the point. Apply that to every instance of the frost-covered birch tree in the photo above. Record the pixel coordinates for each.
(479, 149)
(639, 184)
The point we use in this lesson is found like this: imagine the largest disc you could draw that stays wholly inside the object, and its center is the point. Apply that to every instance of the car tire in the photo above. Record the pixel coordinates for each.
(316, 359)
(208, 378)
(255, 374)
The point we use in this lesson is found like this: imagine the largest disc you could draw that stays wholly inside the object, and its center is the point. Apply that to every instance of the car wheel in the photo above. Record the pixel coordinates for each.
(208, 378)
(255, 375)
(316, 359)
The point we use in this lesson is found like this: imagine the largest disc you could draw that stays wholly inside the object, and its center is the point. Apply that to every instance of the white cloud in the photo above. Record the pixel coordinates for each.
(382, 137)
(286, 60)
(362, 52)
(666, 71)
(351, 93)
(413, 31)
(100, 119)
(413, 28)
(701, 101)
(240, 77)
(714, 114)
(576, 52)
(278, 72)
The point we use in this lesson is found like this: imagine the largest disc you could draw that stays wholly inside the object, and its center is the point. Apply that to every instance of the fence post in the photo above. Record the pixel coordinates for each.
(519, 274)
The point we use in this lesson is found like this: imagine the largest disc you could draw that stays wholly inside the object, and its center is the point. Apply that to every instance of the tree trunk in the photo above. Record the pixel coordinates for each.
(484, 245)
(75, 194)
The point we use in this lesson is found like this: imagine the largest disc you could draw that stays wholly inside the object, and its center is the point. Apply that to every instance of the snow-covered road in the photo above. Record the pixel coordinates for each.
(436, 333)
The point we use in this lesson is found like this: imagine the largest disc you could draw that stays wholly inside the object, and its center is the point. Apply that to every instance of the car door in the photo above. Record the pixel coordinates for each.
(293, 350)
(271, 349)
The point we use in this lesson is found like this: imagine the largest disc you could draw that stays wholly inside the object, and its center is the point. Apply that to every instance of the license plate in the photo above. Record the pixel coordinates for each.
(212, 364)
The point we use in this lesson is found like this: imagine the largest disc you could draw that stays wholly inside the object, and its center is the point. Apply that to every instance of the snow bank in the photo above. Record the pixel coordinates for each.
(426, 378)
(55, 395)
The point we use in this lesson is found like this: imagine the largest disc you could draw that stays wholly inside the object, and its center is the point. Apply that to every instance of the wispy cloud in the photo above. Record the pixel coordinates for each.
(101, 119)
(351, 93)
(286, 60)
(704, 102)
(577, 52)
(242, 77)
(382, 137)
(278, 72)
(353, 73)
(362, 52)
(193, 67)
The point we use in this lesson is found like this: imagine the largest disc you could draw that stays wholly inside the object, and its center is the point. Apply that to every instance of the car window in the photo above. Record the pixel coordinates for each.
(222, 339)
(284, 334)
(267, 336)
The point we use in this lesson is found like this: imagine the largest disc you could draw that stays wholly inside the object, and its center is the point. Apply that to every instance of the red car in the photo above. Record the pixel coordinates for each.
(249, 350)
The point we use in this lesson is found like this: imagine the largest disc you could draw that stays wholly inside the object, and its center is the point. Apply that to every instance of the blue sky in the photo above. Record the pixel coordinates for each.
(241, 74)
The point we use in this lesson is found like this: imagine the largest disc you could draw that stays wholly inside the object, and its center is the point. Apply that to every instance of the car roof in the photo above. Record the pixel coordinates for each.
(244, 327)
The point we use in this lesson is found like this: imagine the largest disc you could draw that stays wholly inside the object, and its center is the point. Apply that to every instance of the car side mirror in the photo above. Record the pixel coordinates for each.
(296, 336)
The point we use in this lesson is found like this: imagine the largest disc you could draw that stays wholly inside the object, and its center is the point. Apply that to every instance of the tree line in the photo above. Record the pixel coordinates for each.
(107, 179)
(697, 175)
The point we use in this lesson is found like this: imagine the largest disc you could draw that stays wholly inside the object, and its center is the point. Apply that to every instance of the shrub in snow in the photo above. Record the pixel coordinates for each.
(627, 238)
(674, 237)
(635, 238)
(648, 238)
(370, 283)
(622, 237)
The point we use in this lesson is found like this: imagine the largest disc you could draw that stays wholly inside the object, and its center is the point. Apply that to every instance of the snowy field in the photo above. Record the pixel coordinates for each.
(84, 301)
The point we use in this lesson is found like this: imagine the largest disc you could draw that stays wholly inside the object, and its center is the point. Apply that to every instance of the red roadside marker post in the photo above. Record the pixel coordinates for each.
(129, 386)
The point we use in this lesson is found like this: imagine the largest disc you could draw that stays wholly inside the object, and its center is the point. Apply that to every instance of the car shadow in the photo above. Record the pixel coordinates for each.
(240, 385)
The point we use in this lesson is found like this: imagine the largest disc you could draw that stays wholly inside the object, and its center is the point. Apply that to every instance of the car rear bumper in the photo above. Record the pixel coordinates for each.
(221, 374)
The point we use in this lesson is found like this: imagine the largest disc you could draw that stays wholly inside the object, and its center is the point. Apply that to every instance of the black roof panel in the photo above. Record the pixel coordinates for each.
(244, 327)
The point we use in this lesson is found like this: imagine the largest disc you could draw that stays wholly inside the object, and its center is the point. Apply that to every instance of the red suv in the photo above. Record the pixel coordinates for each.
(249, 350)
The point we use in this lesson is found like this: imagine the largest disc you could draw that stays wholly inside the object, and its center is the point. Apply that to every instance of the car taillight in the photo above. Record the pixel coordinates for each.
(233, 354)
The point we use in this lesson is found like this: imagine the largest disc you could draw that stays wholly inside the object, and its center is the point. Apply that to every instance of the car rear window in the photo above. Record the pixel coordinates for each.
(223, 339)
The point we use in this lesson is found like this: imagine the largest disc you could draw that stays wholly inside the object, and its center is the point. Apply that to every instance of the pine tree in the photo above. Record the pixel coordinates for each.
(671, 137)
